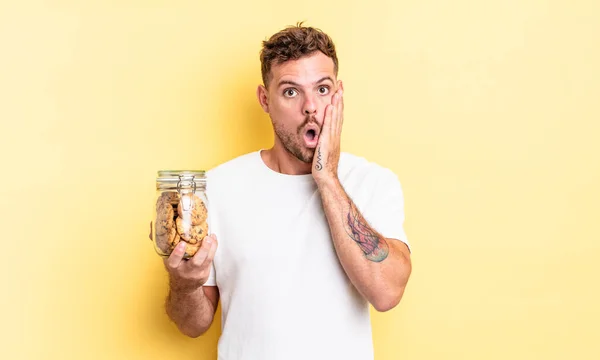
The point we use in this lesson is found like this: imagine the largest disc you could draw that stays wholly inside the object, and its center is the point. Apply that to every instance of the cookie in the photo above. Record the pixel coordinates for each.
(190, 249)
(165, 211)
(163, 226)
(173, 236)
(164, 218)
(191, 233)
(164, 221)
(169, 197)
(164, 241)
(191, 208)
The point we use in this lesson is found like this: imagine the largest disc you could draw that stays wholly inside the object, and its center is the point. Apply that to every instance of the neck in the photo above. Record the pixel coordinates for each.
(279, 159)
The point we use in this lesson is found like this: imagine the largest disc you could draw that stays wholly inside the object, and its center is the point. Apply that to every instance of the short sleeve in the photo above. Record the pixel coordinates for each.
(212, 223)
(385, 210)
(212, 279)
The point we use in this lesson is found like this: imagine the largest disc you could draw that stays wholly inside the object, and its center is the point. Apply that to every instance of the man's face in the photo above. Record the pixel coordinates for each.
(298, 93)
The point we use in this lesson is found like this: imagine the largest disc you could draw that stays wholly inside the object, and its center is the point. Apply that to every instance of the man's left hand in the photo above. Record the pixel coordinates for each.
(327, 153)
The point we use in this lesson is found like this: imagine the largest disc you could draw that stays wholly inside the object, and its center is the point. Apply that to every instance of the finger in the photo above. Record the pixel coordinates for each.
(198, 259)
(334, 114)
(326, 120)
(341, 111)
(336, 111)
(212, 252)
(322, 142)
(174, 260)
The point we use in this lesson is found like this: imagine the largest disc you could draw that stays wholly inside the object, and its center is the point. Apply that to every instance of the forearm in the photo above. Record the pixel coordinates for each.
(377, 267)
(190, 310)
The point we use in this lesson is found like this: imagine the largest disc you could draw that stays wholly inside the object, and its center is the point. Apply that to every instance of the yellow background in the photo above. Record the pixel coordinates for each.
(488, 111)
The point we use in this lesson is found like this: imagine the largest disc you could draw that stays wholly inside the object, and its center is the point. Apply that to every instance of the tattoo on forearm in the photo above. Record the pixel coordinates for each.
(318, 166)
(374, 246)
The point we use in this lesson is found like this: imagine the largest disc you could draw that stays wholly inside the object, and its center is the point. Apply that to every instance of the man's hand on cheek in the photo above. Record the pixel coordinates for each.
(327, 153)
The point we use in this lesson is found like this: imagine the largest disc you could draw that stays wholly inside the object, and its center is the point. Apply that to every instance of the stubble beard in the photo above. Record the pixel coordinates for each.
(290, 141)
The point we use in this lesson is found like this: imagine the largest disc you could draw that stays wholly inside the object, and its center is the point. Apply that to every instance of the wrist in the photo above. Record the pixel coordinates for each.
(183, 287)
(327, 182)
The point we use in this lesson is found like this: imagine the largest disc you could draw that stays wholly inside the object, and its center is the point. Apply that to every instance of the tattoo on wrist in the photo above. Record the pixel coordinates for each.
(373, 245)
(319, 166)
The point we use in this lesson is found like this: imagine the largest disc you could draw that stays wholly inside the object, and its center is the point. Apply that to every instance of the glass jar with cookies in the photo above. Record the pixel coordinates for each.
(180, 212)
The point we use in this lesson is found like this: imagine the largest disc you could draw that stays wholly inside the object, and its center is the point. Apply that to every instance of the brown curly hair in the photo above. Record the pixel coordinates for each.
(293, 43)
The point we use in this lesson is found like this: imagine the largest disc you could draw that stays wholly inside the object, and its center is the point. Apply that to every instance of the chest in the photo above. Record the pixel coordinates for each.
(280, 239)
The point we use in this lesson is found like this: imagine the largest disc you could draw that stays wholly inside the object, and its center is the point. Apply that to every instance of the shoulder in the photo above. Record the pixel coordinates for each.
(365, 180)
(236, 166)
(357, 167)
(374, 188)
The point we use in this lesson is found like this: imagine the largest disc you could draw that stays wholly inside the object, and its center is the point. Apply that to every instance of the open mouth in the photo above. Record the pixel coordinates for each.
(311, 137)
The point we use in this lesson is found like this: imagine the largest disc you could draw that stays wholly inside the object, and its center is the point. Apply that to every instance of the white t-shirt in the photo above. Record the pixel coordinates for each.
(284, 293)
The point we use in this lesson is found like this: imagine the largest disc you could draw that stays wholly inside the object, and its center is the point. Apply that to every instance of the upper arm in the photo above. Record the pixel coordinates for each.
(385, 210)
(212, 293)
(400, 246)
(401, 250)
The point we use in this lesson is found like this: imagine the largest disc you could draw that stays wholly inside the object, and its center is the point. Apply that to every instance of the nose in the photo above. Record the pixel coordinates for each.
(310, 106)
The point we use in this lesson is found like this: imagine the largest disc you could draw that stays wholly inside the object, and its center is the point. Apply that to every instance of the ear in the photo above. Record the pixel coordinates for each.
(340, 85)
(263, 98)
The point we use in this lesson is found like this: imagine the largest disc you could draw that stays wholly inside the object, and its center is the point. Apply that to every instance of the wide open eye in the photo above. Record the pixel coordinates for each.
(324, 90)
(290, 92)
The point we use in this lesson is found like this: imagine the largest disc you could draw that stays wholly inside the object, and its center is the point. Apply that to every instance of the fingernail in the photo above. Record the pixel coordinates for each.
(208, 239)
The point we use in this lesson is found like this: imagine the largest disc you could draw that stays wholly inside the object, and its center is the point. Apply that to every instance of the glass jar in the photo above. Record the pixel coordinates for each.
(180, 211)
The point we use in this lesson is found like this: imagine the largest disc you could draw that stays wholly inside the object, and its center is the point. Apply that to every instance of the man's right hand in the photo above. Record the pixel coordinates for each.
(189, 275)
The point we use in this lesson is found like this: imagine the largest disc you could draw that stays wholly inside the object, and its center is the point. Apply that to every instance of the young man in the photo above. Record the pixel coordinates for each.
(308, 236)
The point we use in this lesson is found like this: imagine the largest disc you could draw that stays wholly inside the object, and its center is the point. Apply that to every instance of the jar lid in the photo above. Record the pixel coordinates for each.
(170, 179)
(177, 173)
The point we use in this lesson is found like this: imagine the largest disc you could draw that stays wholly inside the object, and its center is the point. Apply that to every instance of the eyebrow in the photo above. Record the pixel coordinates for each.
(288, 82)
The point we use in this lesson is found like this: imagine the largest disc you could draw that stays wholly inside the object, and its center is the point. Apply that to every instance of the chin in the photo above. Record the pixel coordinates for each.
(296, 148)
(303, 154)
(309, 155)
